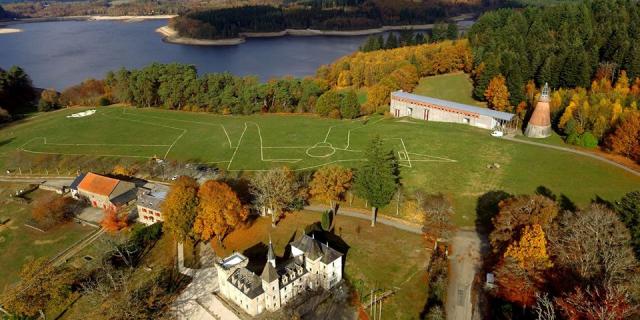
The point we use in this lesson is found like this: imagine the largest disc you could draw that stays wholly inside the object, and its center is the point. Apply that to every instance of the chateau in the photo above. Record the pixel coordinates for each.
(312, 265)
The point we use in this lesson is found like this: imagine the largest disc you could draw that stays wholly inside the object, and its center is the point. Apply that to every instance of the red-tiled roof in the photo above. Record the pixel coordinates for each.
(98, 184)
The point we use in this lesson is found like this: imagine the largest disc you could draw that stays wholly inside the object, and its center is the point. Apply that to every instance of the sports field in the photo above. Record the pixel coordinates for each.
(436, 157)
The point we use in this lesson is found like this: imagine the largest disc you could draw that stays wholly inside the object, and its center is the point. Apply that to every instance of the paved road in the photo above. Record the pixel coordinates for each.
(406, 226)
(465, 262)
(583, 153)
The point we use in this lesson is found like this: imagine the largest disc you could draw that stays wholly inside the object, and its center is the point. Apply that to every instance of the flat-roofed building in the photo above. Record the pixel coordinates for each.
(404, 104)
(149, 204)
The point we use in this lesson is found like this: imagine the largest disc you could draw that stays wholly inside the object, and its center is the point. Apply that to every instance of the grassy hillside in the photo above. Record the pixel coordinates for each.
(436, 157)
(452, 86)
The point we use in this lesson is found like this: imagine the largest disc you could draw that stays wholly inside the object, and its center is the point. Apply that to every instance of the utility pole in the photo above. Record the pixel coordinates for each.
(374, 306)
(380, 313)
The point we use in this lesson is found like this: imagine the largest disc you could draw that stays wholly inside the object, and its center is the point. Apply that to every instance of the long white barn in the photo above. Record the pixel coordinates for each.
(404, 104)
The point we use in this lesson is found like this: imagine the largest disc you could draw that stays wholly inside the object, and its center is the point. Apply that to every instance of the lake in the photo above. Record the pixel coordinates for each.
(60, 54)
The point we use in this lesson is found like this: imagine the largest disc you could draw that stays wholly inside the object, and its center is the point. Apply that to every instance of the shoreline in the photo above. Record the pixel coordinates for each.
(88, 18)
(171, 36)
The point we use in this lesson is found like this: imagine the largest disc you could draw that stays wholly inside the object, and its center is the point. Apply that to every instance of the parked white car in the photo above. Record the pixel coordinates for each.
(497, 133)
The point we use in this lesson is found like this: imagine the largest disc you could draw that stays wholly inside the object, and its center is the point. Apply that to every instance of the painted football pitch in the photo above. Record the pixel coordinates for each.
(436, 157)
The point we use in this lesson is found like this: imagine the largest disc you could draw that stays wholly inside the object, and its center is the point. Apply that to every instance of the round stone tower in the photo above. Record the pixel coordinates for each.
(539, 125)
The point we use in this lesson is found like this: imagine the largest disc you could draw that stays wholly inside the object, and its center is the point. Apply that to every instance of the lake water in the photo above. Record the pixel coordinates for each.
(60, 54)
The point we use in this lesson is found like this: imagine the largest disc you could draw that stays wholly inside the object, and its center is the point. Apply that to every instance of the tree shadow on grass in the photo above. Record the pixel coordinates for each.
(487, 207)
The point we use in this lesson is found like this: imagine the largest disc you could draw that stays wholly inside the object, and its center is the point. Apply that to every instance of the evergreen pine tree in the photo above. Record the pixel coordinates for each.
(377, 180)
(452, 31)
(392, 41)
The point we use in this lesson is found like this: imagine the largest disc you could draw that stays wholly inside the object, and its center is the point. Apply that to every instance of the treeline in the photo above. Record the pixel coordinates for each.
(562, 44)
(605, 114)
(381, 72)
(230, 22)
(552, 260)
(405, 38)
(17, 94)
(43, 9)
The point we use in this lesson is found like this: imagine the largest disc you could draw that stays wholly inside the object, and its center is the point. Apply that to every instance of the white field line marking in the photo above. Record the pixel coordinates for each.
(227, 134)
(237, 147)
(187, 121)
(174, 143)
(434, 157)
(23, 149)
(406, 153)
(304, 168)
(154, 124)
(328, 133)
(262, 149)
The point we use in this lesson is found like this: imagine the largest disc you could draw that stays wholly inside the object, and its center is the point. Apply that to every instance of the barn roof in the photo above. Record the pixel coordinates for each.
(454, 105)
(98, 184)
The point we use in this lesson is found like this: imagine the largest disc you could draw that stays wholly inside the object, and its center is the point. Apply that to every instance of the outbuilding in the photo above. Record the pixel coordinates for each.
(105, 192)
(404, 104)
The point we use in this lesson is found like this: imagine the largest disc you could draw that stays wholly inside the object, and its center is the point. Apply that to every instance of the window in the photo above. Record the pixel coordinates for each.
(157, 214)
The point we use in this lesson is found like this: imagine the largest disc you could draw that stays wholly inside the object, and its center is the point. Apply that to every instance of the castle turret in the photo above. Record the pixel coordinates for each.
(539, 125)
(270, 281)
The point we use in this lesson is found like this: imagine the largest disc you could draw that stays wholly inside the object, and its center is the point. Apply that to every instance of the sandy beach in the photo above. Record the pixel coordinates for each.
(171, 35)
(9, 30)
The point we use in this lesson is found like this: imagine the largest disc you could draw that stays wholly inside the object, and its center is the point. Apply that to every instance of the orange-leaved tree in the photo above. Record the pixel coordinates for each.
(530, 252)
(179, 207)
(497, 94)
(219, 211)
(112, 222)
(625, 140)
(330, 183)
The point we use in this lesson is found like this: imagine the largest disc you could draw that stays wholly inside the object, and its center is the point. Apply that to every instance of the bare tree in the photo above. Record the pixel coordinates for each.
(544, 307)
(595, 245)
(275, 189)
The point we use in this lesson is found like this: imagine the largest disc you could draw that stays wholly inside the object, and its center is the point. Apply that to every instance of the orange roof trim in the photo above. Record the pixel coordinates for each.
(98, 184)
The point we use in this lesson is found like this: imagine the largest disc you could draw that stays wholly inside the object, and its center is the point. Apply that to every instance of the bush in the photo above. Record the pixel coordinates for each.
(587, 140)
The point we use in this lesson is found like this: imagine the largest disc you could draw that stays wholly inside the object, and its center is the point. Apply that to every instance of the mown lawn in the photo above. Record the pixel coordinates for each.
(19, 243)
(453, 86)
(382, 257)
(436, 157)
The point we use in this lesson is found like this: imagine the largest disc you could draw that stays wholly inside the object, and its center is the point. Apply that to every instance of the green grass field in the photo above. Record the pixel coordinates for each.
(452, 86)
(437, 157)
(19, 243)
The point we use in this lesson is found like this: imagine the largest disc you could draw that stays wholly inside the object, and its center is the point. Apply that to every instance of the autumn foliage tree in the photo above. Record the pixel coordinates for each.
(179, 208)
(518, 212)
(219, 211)
(330, 183)
(112, 222)
(497, 94)
(52, 210)
(625, 139)
(41, 284)
(530, 252)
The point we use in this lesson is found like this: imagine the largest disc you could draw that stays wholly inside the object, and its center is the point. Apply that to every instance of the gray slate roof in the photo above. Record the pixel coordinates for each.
(247, 282)
(454, 105)
(313, 249)
(269, 273)
(153, 198)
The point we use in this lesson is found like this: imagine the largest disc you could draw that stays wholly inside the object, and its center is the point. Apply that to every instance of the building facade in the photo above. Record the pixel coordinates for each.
(404, 104)
(149, 203)
(104, 192)
(312, 265)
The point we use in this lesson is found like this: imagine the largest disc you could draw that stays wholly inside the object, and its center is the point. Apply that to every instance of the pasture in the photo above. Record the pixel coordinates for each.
(456, 87)
(436, 157)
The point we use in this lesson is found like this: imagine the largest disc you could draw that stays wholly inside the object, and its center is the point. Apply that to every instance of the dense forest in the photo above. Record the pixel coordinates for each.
(16, 93)
(230, 22)
(563, 45)
(580, 48)
(440, 32)
(61, 8)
